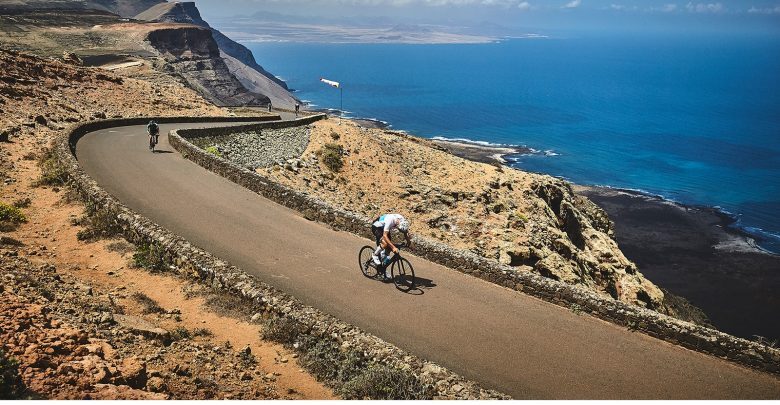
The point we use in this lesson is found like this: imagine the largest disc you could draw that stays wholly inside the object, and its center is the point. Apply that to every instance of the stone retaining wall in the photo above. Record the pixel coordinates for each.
(194, 262)
(661, 326)
(259, 148)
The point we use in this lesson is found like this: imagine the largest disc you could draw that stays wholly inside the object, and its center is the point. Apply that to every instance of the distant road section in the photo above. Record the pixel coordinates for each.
(508, 341)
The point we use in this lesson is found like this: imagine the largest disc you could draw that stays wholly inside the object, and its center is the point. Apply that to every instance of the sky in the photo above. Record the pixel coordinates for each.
(754, 16)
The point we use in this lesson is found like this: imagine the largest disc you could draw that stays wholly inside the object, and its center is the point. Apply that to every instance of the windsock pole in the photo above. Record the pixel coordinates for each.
(341, 96)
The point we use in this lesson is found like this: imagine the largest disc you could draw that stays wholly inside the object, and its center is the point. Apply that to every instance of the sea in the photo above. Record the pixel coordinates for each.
(692, 118)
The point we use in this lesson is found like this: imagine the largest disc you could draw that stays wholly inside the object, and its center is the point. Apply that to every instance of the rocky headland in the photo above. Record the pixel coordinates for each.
(689, 251)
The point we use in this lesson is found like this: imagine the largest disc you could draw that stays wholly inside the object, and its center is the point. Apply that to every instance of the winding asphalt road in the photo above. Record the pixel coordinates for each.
(504, 339)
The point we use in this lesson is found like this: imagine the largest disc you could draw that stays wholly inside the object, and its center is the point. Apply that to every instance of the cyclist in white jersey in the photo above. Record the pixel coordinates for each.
(381, 229)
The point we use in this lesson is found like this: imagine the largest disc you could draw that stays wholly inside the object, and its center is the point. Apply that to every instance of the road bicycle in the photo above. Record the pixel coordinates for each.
(153, 137)
(401, 271)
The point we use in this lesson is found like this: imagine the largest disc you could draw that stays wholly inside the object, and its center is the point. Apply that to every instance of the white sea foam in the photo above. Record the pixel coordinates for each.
(480, 143)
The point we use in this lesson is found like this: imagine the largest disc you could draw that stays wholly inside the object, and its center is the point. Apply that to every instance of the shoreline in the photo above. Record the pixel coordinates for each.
(742, 240)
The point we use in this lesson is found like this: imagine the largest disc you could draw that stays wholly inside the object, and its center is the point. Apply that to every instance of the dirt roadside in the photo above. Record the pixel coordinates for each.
(83, 322)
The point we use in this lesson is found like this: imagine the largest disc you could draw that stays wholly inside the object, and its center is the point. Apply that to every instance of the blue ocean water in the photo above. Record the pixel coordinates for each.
(693, 119)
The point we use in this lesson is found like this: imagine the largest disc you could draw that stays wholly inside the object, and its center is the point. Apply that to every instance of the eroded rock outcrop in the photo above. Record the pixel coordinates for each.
(585, 251)
(191, 53)
(239, 59)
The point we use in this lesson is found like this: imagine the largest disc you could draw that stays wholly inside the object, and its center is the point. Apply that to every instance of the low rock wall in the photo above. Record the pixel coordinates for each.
(661, 326)
(259, 148)
(194, 262)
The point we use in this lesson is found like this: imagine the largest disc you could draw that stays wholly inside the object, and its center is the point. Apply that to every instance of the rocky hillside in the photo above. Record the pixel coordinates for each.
(532, 222)
(95, 33)
(239, 59)
(80, 316)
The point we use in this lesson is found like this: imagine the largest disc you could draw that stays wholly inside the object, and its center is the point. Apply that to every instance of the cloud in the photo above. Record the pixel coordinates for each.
(705, 8)
(572, 4)
(524, 6)
(769, 10)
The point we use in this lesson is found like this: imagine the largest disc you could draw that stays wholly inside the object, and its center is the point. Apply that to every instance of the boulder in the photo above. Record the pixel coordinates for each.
(142, 327)
(133, 372)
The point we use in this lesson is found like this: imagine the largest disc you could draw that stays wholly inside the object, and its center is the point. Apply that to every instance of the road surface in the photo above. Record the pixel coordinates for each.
(508, 341)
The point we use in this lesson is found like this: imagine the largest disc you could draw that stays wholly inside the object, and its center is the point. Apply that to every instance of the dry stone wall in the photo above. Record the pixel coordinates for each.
(192, 261)
(259, 148)
(661, 326)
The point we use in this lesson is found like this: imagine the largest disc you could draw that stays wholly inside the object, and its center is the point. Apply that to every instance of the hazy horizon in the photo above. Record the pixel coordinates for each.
(543, 17)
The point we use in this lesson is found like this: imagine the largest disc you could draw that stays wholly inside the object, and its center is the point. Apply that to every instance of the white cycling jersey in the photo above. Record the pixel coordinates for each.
(388, 222)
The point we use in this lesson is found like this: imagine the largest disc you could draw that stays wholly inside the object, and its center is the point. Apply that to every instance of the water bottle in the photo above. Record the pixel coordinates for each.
(385, 259)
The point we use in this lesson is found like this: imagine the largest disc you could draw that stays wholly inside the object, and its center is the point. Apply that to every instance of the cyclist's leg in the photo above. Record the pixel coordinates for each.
(378, 231)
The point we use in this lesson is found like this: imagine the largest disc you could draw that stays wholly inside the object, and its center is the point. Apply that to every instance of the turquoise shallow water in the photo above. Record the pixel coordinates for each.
(694, 119)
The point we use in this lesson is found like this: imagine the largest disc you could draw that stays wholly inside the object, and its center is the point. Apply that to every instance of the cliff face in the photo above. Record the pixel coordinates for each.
(191, 53)
(238, 58)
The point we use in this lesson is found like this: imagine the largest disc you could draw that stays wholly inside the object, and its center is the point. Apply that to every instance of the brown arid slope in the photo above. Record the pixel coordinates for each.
(529, 221)
(79, 317)
(184, 52)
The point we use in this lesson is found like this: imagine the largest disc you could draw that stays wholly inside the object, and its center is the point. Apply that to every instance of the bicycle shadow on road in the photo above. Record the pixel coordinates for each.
(162, 151)
(421, 285)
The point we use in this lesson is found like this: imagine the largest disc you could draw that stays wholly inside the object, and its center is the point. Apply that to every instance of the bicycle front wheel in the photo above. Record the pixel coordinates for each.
(364, 262)
(403, 275)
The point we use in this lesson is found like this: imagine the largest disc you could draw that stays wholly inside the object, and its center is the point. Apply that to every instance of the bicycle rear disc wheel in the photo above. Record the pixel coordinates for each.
(364, 262)
(403, 275)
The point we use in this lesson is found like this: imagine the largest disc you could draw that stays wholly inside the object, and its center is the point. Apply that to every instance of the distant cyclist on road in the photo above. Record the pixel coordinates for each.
(381, 229)
(154, 133)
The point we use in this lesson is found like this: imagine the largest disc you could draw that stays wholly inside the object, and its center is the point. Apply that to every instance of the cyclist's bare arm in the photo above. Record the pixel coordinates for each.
(388, 242)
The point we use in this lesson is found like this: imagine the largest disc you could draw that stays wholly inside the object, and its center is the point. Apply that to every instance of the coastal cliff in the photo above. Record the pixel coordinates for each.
(191, 53)
(239, 59)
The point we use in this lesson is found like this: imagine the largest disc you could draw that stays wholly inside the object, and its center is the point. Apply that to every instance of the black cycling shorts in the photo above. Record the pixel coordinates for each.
(378, 232)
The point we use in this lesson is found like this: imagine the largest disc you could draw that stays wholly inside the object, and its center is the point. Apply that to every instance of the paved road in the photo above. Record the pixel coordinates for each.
(506, 340)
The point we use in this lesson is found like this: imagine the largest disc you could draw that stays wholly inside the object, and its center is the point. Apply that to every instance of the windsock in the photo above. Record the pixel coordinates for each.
(331, 83)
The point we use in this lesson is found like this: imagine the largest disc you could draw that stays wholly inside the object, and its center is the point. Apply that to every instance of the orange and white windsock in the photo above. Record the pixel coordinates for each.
(331, 83)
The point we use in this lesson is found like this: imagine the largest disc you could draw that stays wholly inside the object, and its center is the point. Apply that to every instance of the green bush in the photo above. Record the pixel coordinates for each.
(10, 383)
(349, 371)
(322, 358)
(23, 203)
(180, 333)
(214, 151)
(202, 332)
(150, 257)
(52, 172)
(383, 382)
(335, 136)
(10, 217)
(282, 330)
(99, 223)
(330, 155)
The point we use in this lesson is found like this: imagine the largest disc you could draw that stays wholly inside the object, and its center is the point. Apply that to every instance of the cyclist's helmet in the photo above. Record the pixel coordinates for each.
(404, 225)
